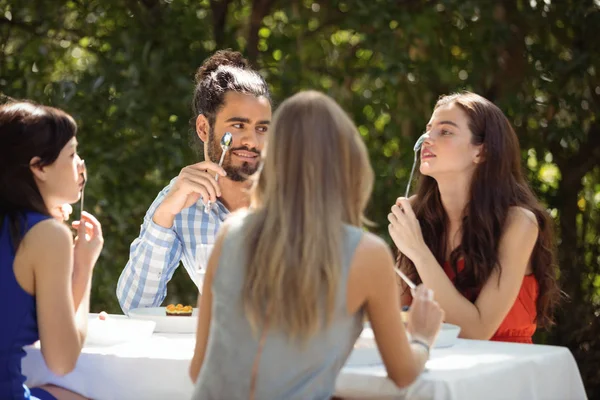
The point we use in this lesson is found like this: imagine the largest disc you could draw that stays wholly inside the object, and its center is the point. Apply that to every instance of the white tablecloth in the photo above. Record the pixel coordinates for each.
(157, 368)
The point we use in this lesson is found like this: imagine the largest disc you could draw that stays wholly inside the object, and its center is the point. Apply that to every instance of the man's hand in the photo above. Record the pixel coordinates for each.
(193, 182)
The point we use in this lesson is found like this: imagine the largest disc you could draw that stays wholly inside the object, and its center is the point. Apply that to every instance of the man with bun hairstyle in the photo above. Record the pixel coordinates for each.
(183, 221)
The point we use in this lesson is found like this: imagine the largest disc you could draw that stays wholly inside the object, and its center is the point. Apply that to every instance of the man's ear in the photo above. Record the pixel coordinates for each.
(38, 171)
(202, 128)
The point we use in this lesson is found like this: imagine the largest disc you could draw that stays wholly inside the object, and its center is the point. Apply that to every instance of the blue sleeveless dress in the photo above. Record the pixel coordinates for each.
(19, 319)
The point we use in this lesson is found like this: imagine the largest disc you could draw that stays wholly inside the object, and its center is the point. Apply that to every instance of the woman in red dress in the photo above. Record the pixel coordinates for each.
(475, 232)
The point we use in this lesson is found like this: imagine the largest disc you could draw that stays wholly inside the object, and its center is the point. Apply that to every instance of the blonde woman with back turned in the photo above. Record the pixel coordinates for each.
(290, 279)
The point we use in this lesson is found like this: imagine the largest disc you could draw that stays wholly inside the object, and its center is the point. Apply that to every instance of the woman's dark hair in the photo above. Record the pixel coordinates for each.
(498, 184)
(224, 71)
(27, 130)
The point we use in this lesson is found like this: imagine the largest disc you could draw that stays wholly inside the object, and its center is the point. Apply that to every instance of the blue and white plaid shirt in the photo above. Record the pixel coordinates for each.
(155, 254)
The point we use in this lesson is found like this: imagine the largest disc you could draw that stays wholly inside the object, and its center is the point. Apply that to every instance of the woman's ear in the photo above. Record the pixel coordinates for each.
(202, 128)
(36, 169)
(479, 155)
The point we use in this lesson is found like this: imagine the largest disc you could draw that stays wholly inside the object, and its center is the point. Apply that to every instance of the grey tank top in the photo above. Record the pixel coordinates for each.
(286, 370)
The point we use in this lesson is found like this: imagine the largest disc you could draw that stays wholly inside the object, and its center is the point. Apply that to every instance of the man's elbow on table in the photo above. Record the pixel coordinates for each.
(122, 295)
(125, 307)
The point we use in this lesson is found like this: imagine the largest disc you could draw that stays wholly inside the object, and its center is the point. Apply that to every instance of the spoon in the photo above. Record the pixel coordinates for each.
(406, 279)
(84, 175)
(416, 149)
(226, 141)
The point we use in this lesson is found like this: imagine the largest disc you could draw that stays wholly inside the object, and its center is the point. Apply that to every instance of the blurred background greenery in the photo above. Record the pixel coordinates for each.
(124, 69)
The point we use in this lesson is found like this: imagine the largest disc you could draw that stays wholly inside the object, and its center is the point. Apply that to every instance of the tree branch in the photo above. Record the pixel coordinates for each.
(260, 9)
(219, 14)
(587, 157)
(149, 4)
(595, 96)
(512, 64)
(12, 22)
(32, 28)
(151, 8)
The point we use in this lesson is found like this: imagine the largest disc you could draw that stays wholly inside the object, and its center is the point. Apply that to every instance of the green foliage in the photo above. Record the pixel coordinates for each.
(125, 70)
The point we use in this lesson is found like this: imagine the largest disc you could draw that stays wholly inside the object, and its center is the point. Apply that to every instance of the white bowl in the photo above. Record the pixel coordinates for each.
(365, 351)
(116, 329)
(447, 337)
(164, 323)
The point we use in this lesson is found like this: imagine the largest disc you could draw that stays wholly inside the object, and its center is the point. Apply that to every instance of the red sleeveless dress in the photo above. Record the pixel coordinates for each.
(519, 324)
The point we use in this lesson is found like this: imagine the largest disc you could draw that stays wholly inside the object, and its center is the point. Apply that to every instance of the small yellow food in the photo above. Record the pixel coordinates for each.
(178, 310)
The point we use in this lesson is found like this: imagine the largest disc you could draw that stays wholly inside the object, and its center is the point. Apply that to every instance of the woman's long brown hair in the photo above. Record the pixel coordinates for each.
(498, 184)
(316, 177)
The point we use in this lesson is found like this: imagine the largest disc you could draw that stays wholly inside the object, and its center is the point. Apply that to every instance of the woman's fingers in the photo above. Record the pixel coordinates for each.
(90, 227)
(405, 206)
(97, 226)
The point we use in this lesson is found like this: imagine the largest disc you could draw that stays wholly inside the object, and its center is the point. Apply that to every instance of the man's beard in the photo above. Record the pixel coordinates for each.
(235, 173)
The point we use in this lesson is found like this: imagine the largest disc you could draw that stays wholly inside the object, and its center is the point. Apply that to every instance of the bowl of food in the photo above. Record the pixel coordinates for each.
(170, 319)
(178, 310)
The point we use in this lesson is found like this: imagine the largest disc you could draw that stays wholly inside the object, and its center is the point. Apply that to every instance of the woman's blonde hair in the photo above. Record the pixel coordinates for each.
(316, 177)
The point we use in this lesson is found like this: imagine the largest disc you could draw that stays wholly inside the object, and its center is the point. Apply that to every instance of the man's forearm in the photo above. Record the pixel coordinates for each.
(163, 219)
(152, 257)
(142, 282)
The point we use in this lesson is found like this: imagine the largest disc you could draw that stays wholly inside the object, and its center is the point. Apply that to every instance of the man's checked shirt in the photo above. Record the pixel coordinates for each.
(155, 254)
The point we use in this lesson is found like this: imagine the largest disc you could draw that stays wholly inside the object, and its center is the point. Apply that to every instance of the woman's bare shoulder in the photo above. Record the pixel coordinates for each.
(373, 253)
(372, 242)
(520, 229)
(521, 217)
(48, 235)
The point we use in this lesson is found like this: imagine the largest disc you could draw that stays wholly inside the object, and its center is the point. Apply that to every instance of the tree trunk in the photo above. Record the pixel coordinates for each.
(219, 15)
(260, 9)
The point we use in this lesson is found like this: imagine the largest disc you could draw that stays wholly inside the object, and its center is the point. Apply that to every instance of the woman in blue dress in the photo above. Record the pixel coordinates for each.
(45, 274)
